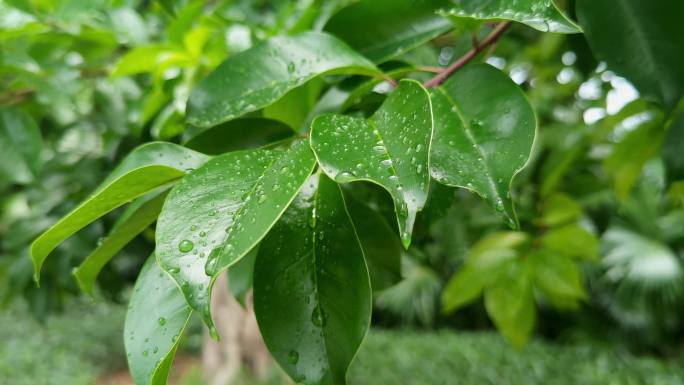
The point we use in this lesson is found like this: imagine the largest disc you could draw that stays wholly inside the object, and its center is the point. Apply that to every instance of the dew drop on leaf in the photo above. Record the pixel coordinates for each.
(293, 357)
(185, 246)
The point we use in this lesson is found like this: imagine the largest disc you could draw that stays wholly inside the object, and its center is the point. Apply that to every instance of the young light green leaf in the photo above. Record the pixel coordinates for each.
(640, 40)
(390, 27)
(390, 149)
(487, 259)
(571, 241)
(259, 76)
(558, 277)
(312, 305)
(137, 217)
(542, 15)
(484, 131)
(144, 169)
(20, 146)
(381, 246)
(215, 215)
(157, 316)
(510, 304)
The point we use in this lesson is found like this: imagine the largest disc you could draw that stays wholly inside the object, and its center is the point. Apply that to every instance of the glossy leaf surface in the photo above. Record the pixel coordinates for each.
(144, 169)
(137, 217)
(216, 214)
(390, 27)
(156, 317)
(261, 75)
(542, 15)
(312, 295)
(484, 131)
(640, 40)
(390, 149)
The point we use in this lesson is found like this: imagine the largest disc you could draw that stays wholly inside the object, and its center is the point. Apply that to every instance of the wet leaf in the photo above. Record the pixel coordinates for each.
(390, 27)
(312, 295)
(542, 15)
(156, 318)
(484, 131)
(215, 215)
(259, 76)
(390, 149)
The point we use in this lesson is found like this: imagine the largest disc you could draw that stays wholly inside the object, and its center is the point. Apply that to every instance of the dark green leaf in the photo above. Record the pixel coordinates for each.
(259, 76)
(542, 15)
(216, 214)
(381, 246)
(156, 317)
(313, 305)
(640, 40)
(390, 27)
(390, 149)
(240, 276)
(144, 169)
(239, 134)
(673, 155)
(484, 131)
(137, 217)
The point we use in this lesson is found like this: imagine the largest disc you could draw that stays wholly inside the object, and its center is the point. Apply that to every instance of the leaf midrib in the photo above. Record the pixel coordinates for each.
(468, 131)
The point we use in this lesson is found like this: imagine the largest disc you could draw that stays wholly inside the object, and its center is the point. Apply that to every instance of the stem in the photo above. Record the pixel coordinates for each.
(489, 40)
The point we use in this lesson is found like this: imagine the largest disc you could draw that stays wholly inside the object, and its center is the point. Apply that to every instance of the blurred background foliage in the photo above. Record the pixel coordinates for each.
(598, 260)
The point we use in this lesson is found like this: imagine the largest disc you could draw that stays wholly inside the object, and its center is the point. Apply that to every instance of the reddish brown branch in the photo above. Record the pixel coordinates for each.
(489, 40)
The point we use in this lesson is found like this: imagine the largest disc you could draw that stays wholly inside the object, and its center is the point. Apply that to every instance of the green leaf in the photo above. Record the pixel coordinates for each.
(381, 246)
(216, 214)
(137, 217)
(152, 58)
(240, 276)
(640, 40)
(238, 134)
(484, 131)
(20, 146)
(390, 27)
(487, 259)
(542, 15)
(571, 241)
(157, 315)
(510, 304)
(557, 277)
(672, 149)
(390, 149)
(259, 76)
(144, 169)
(313, 307)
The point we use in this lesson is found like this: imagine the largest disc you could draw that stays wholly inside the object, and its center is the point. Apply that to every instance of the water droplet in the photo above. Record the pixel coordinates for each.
(193, 227)
(185, 246)
(318, 317)
(499, 205)
(344, 176)
(293, 357)
(161, 321)
(291, 67)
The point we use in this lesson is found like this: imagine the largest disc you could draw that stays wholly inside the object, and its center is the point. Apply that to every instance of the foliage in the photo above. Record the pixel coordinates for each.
(287, 132)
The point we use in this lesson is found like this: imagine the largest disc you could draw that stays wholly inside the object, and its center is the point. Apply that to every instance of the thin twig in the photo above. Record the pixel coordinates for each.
(489, 40)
